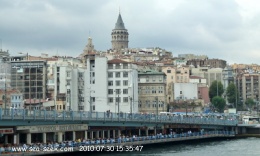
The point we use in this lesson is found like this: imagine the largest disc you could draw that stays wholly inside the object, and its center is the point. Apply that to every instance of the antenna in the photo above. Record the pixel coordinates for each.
(0, 44)
(89, 33)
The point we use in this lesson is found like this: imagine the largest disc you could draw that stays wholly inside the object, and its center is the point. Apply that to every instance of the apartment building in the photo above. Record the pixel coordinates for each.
(210, 74)
(65, 86)
(170, 72)
(29, 77)
(112, 85)
(248, 86)
(152, 91)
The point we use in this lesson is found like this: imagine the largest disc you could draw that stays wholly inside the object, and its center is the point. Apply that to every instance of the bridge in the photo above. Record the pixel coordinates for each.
(43, 117)
(25, 126)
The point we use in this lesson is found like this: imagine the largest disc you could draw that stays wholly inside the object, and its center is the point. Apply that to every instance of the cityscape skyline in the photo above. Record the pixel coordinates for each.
(219, 29)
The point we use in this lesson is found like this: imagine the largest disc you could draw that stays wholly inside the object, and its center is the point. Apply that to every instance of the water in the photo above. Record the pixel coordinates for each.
(230, 147)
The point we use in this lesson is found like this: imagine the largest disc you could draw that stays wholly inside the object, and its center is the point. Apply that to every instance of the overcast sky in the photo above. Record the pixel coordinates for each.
(225, 29)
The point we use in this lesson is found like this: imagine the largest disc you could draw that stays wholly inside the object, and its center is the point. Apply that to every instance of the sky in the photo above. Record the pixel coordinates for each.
(224, 29)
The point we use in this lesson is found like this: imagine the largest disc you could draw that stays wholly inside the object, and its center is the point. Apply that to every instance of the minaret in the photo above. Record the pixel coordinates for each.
(119, 35)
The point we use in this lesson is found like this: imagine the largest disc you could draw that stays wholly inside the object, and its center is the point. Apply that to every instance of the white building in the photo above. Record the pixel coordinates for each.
(185, 91)
(111, 83)
(17, 101)
(63, 79)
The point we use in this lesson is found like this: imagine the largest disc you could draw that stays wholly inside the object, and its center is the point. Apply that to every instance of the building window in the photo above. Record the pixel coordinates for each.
(68, 74)
(110, 91)
(168, 71)
(118, 91)
(118, 99)
(147, 79)
(80, 75)
(125, 99)
(125, 91)
(81, 108)
(125, 74)
(68, 82)
(110, 74)
(117, 74)
(93, 99)
(117, 83)
(125, 83)
(139, 104)
(180, 92)
(110, 83)
(110, 100)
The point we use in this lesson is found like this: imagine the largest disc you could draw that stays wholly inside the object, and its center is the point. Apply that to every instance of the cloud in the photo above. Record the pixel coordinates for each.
(217, 28)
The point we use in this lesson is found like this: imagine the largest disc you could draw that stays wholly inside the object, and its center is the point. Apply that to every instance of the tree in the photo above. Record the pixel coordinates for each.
(232, 94)
(219, 103)
(215, 89)
(249, 102)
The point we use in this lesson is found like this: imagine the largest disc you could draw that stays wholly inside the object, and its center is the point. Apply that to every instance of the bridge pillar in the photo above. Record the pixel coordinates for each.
(44, 138)
(73, 135)
(85, 135)
(108, 134)
(114, 133)
(236, 130)
(97, 134)
(28, 138)
(6, 139)
(16, 139)
(60, 136)
(146, 131)
(102, 134)
(243, 130)
(91, 134)
(119, 133)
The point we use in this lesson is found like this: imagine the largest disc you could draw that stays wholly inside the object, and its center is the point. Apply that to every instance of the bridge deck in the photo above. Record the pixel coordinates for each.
(38, 117)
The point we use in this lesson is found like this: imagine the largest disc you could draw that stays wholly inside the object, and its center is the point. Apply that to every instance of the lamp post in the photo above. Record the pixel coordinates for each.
(186, 106)
(157, 107)
(131, 109)
(118, 92)
(5, 95)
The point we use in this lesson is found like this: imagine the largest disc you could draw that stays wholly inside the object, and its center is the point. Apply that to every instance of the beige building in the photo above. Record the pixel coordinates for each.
(151, 91)
(210, 74)
(170, 72)
(248, 86)
(182, 74)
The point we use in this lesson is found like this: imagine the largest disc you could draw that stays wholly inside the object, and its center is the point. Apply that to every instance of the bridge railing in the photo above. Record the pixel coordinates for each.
(25, 114)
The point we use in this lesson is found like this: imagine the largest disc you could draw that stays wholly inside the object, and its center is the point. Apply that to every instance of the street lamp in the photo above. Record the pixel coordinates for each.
(118, 92)
(131, 109)
(157, 107)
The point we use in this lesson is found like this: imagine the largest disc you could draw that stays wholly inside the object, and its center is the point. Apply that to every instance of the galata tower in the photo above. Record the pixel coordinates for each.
(119, 35)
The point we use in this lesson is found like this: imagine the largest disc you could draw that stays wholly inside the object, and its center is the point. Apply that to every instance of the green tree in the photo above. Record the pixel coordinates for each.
(232, 94)
(215, 89)
(219, 103)
(249, 102)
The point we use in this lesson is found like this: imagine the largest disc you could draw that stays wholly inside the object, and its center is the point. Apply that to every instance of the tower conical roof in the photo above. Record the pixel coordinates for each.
(119, 23)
